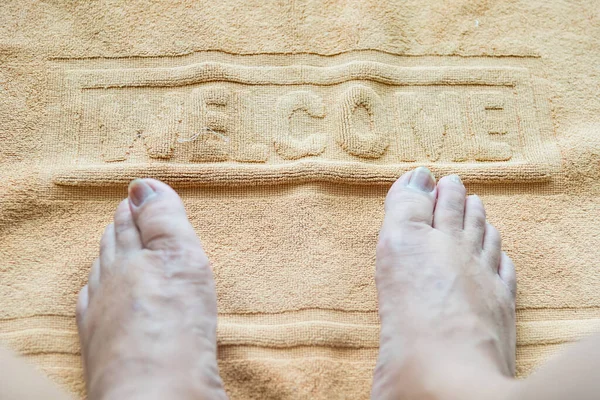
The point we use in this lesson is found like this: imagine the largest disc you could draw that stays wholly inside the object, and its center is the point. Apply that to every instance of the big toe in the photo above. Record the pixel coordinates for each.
(160, 216)
(412, 198)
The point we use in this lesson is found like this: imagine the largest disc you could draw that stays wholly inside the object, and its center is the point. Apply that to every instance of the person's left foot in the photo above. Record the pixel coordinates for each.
(147, 318)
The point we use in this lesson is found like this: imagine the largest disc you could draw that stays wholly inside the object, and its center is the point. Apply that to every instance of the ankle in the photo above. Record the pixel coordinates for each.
(133, 380)
(445, 374)
(176, 389)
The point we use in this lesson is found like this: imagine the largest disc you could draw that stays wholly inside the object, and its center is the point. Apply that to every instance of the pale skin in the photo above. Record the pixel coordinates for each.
(147, 317)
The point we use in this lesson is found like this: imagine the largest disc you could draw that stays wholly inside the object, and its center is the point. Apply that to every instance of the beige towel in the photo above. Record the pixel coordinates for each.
(282, 124)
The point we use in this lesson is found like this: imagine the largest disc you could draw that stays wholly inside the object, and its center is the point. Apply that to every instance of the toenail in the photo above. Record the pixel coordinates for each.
(455, 179)
(139, 191)
(422, 179)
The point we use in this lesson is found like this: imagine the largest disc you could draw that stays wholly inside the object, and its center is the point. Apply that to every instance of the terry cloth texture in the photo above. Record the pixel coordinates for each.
(282, 124)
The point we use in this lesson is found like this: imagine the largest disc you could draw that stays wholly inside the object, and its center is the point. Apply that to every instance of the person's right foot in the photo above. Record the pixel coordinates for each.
(446, 295)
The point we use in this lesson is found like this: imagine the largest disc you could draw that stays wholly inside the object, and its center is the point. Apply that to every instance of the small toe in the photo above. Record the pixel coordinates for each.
(492, 246)
(450, 206)
(160, 216)
(127, 235)
(412, 198)
(474, 222)
(82, 304)
(94, 278)
(108, 246)
(508, 274)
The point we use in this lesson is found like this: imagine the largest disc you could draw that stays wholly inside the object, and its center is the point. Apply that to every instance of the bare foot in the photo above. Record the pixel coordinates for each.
(446, 295)
(147, 318)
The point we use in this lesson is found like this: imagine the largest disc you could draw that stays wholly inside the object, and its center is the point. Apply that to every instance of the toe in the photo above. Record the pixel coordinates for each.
(108, 246)
(127, 235)
(450, 206)
(492, 246)
(94, 278)
(412, 198)
(160, 216)
(507, 273)
(474, 222)
(82, 304)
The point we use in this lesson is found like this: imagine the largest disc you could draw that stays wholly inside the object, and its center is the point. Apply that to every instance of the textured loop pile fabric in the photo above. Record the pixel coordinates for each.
(282, 125)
